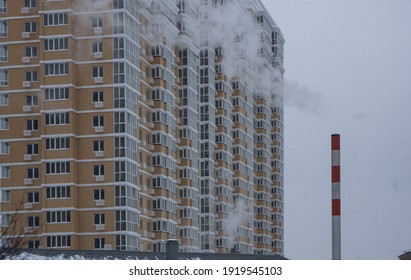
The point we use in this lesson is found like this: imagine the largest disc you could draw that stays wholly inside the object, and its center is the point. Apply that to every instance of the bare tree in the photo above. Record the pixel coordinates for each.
(12, 234)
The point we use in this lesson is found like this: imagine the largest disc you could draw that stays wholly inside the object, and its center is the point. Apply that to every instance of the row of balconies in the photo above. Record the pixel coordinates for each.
(97, 80)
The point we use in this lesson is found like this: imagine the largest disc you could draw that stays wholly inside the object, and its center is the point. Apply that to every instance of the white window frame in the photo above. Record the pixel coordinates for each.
(32, 149)
(99, 219)
(99, 194)
(33, 221)
(98, 170)
(57, 167)
(58, 241)
(97, 72)
(32, 100)
(5, 196)
(98, 121)
(3, 28)
(4, 99)
(4, 124)
(4, 148)
(4, 77)
(33, 173)
(3, 6)
(56, 69)
(30, 51)
(31, 76)
(97, 47)
(32, 125)
(60, 93)
(56, 44)
(30, 4)
(30, 26)
(33, 197)
(58, 217)
(98, 96)
(55, 19)
(5, 172)
(58, 192)
(98, 145)
(59, 118)
(4, 54)
(99, 243)
(57, 143)
(97, 22)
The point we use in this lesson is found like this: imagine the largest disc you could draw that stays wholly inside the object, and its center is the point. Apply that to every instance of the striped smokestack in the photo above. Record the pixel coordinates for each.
(335, 192)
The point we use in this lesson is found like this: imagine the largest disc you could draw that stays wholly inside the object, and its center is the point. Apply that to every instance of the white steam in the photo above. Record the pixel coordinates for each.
(236, 218)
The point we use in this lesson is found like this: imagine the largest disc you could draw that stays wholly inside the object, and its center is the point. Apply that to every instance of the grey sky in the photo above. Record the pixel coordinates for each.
(348, 67)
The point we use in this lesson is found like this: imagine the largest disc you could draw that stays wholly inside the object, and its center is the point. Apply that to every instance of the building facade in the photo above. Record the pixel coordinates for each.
(127, 123)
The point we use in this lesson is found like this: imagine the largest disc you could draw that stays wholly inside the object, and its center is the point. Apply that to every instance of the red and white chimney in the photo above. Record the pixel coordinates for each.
(336, 196)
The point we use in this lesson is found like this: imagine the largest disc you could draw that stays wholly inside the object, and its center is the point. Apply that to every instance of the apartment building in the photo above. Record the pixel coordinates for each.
(127, 123)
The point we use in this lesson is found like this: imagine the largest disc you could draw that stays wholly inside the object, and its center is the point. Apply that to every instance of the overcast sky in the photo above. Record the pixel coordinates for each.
(348, 71)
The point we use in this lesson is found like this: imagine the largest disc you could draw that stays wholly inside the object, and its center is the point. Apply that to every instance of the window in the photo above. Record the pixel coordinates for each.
(30, 51)
(34, 244)
(118, 23)
(4, 123)
(58, 143)
(54, 217)
(33, 197)
(3, 53)
(57, 93)
(4, 99)
(99, 219)
(118, 4)
(55, 19)
(118, 47)
(99, 243)
(3, 6)
(98, 170)
(57, 118)
(5, 172)
(32, 100)
(5, 196)
(98, 121)
(58, 241)
(98, 146)
(5, 220)
(32, 149)
(96, 22)
(97, 47)
(32, 125)
(31, 76)
(99, 194)
(98, 72)
(56, 69)
(56, 44)
(4, 77)
(58, 192)
(3, 28)
(4, 148)
(32, 173)
(119, 73)
(30, 27)
(33, 221)
(58, 167)
(30, 3)
(98, 96)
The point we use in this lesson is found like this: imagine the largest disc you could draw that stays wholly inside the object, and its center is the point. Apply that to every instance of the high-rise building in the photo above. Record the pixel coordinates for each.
(126, 123)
